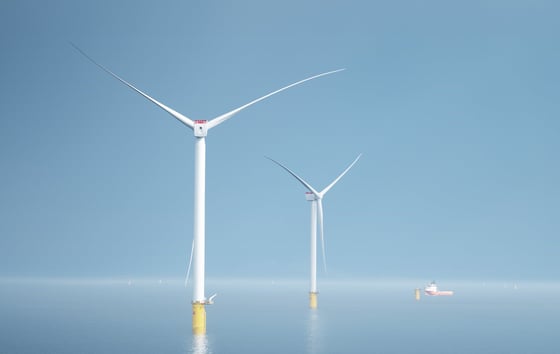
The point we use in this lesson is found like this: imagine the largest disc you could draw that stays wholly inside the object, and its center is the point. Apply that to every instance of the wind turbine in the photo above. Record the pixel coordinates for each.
(200, 129)
(316, 199)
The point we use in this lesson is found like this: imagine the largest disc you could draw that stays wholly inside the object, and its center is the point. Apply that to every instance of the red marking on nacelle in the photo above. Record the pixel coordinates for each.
(200, 121)
(308, 192)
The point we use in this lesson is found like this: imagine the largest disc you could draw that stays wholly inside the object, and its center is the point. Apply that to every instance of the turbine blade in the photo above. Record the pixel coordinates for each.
(321, 230)
(324, 191)
(211, 299)
(301, 180)
(220, 119)
(183, 119)
(190, 264)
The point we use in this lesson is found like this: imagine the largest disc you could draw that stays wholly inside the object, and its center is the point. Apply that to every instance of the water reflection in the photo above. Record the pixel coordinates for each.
(314, 333)
(200, 344)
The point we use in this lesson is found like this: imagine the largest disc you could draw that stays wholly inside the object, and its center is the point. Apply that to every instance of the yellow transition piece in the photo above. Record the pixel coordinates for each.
(198, 318)
(313, 300)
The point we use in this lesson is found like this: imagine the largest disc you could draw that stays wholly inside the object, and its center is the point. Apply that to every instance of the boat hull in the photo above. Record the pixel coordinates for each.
(439, 293)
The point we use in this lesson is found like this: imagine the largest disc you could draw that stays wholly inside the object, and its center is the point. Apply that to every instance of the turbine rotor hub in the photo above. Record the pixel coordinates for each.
(309, 196)
(200, 129)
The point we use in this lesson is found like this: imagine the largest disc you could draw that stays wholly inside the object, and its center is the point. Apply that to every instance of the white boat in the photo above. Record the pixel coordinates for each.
(432, 290)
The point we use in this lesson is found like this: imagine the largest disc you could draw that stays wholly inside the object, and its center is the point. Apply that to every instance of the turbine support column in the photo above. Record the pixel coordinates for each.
(313, 243)
(199, 220)
(198, 318)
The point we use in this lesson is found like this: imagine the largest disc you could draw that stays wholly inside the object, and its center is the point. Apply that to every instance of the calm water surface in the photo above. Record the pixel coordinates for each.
(257, 316)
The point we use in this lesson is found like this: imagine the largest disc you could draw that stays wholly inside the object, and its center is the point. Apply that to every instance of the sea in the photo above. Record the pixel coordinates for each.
(250, 316)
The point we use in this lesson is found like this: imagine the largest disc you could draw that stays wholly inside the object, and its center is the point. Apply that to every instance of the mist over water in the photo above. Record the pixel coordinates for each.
(258, 316)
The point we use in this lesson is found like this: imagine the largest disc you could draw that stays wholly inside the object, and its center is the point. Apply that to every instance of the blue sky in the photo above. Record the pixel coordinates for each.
(454, 105)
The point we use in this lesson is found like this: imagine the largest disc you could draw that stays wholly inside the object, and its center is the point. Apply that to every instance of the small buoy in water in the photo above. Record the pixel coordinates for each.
(417, 294)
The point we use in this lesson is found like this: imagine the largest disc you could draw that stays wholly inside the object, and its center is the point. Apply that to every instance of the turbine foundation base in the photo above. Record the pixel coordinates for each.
(198, 318)
(313, 300)
(417, 294)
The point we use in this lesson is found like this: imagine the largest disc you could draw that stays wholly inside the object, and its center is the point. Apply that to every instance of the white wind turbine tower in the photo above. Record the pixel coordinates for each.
(200, 129)
(316, 199)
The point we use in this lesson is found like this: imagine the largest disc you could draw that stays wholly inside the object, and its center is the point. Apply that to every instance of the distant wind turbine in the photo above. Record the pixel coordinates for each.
(316, 199)
(200, 129)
